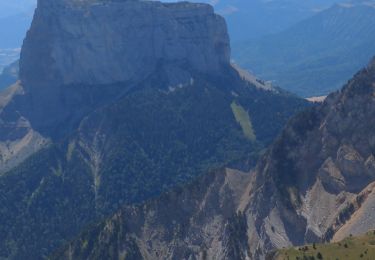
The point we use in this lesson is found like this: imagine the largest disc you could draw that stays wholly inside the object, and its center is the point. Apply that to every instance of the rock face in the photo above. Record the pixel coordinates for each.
(101, 42)
(317, 167)
(119, 101)
(314, 183)
(75, 49)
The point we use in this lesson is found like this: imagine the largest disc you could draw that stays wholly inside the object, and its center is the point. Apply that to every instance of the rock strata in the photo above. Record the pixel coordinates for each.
(103, 42)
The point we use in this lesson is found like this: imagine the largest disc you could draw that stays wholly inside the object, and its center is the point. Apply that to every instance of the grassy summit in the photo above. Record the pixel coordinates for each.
(362, 247)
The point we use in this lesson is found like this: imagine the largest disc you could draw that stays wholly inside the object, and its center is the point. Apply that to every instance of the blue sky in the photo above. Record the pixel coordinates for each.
(13, 7)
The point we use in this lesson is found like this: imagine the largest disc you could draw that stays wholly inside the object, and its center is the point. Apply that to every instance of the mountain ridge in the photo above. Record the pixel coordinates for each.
(316, 56)
(303, 183)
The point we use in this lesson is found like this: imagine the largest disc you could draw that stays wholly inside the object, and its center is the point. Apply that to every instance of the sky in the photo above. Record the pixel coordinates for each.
(13, 7)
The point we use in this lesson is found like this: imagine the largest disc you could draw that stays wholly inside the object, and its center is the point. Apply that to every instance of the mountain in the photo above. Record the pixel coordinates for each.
(260, 18)
(9, 76)
(256, 18)
(117, 102)
(315, 56)
(315, 183)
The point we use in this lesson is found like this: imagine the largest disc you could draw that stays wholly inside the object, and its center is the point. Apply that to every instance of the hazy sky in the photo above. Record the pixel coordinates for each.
(12, 7)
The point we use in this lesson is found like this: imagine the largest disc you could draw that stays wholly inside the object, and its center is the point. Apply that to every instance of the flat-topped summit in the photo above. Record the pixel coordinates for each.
(102, 42)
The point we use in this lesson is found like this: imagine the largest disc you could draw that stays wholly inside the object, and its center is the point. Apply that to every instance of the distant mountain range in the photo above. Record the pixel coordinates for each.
(13, 29)
(317, 55)
(246, 19)
(251, 19)
(15, 19)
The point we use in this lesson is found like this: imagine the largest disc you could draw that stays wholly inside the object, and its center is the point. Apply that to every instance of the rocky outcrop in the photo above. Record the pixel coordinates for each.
(81, 55)
(76, 53)
(317, 166)
(102, 42)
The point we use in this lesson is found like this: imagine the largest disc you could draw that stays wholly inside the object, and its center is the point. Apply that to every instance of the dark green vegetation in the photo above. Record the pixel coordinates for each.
(9, 76)
(317, 55)
(362, 247)
(147, 141)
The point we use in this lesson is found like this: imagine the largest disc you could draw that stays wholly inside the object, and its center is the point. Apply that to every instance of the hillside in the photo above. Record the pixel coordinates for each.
(362, 247)
(315, 56)
(312, 182)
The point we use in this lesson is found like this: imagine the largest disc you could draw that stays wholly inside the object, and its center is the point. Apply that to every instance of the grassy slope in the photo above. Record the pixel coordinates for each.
(242, 117)
(362, 247)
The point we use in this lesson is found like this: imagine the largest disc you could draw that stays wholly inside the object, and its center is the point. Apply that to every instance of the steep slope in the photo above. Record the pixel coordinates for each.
(358, 216)
(306, 186)
(117, 102)
(187, 223)
(318, 165)
(317, 55)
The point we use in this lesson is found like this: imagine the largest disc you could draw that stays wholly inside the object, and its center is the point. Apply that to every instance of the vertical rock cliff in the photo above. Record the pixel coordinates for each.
(74, 43)
(102, 42)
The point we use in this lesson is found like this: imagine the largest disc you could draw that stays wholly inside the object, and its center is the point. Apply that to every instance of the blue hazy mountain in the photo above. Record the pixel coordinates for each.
(250, 19)
(13, 29)
(317, 55)
(15, 19)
